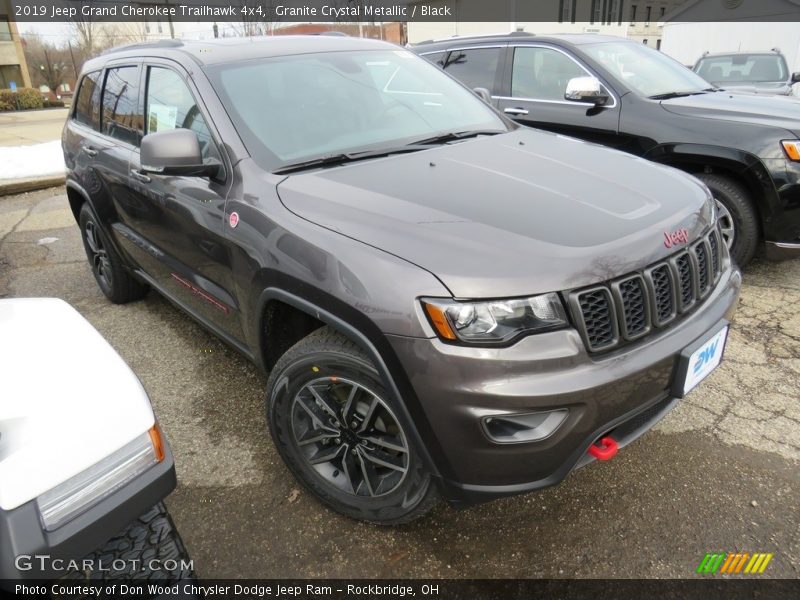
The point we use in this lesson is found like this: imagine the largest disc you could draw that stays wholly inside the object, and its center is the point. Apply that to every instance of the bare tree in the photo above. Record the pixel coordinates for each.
(48, 64)
(134, 31)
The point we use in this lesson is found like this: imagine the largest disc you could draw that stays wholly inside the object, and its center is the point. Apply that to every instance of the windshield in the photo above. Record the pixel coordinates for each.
(743, 68)
(646, 71)
(297, 108)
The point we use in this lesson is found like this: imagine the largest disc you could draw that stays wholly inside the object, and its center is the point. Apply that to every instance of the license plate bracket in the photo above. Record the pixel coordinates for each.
(699, 359)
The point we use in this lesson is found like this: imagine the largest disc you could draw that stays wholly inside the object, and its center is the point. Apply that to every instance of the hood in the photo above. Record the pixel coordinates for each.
(68, 399)
(507, 215)
(775, 111)
(776, 88)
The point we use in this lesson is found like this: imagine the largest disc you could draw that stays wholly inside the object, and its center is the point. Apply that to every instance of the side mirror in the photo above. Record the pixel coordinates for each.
(586, 89)
(175, 152)
(795, 77)
(483, 94)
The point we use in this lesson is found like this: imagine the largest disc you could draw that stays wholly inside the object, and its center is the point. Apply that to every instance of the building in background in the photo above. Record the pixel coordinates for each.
(636, 19)
(13, 68)
(686, 37)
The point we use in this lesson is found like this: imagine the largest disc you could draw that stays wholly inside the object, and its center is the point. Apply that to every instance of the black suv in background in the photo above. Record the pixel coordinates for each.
(627, 96)
(442, 305)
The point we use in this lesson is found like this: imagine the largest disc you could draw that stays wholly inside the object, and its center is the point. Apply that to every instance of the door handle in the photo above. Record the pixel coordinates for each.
(90, 151)
(515, 111)
(139, 176)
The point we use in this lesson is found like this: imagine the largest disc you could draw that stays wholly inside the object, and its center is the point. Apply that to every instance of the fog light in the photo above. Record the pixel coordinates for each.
(79, 493)
(528, 427)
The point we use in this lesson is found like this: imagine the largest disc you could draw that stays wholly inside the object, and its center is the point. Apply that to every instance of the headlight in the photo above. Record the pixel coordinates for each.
(792, 149)
(495, 321)
(79, 493)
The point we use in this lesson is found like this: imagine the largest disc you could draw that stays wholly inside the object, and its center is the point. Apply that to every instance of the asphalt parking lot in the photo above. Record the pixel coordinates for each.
(719, 474)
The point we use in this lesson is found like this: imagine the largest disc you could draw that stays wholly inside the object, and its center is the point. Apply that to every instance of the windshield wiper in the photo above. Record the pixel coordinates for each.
(348, 157)
(669, 95)
(457, 135)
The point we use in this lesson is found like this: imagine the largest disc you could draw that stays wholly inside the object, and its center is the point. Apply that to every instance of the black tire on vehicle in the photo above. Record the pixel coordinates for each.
(342, 434)
(114, 280)
(149, 548)
(739, 209)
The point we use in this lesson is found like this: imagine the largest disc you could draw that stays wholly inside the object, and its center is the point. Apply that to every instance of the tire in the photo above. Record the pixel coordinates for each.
(114, 280)
(368, 467)
(738, 209)
(151, 537)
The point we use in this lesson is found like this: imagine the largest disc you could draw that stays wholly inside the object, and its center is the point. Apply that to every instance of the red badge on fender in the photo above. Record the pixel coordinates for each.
(233, 219)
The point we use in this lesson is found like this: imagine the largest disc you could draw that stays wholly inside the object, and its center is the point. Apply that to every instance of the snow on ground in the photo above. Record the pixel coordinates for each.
(36, 160)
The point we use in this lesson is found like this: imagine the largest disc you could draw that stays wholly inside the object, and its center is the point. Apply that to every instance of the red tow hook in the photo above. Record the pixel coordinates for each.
(606, 450)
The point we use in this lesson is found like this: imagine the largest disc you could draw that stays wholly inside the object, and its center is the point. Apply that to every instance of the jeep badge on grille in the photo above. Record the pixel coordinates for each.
(677, 237)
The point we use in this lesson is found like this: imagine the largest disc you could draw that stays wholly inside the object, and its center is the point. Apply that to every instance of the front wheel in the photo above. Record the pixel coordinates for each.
(342, 435)
(737, 216)
(150, 548)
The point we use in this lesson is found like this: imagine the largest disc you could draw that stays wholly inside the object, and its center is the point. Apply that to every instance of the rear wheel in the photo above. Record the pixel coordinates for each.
(737, 216)
(114, 280)
(342, 435)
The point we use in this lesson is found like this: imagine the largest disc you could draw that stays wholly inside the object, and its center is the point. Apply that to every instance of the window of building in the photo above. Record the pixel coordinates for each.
(9, 73)
(644, 41)
(596, 14)
(542, 73)
(566, 11)
(171, 105)
(87, 105)
(658, 44)
(5, 30)
(633, 14)
(648, 12)
(611, 10)
(474, 68)
(121, 117)
(662, 12)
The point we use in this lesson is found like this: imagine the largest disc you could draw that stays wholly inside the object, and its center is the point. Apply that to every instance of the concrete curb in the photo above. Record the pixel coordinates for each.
(29, 184)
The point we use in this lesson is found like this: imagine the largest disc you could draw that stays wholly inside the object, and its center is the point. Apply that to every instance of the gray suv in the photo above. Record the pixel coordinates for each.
(448, 305)
(749, 72)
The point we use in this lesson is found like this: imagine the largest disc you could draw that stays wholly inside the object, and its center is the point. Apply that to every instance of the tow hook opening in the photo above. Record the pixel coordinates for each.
(605, 449)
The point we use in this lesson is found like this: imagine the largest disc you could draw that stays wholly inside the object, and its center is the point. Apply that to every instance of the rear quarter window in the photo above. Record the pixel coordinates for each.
(87, 104)
(474, 68)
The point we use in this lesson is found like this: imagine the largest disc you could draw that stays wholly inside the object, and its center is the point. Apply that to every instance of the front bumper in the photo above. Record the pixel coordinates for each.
(627, 390)
(782, 215)
(22, 534)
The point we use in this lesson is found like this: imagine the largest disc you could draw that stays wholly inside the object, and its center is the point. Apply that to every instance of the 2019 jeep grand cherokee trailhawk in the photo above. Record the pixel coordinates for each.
(447, 303)
(622, 94)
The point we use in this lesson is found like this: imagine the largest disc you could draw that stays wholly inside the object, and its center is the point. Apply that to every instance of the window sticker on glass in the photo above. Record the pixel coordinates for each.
(161, 117)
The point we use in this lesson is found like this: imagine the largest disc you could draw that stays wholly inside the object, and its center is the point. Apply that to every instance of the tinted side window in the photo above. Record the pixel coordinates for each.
(87, 105)
(121, 116)
(170, 105)
(436, 58)
(474, 68)
(542, 73)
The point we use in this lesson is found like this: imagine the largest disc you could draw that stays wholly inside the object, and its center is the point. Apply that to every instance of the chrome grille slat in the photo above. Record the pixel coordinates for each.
(629, 308)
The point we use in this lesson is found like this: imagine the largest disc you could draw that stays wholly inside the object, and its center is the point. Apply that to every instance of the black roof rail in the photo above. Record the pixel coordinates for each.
(144, 45)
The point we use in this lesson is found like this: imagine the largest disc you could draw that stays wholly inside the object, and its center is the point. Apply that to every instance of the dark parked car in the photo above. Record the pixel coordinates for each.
(622, 94)
(750, 72)
(447, 303)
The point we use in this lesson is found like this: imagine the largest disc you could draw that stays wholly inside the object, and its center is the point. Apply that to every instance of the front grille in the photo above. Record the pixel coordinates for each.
(628, 308)
(597, 307)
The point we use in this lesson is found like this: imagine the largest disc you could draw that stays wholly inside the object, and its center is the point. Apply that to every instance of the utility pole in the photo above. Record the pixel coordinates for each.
(72, 56)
